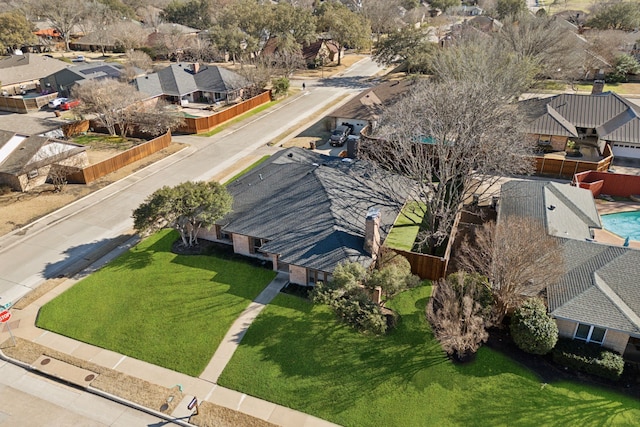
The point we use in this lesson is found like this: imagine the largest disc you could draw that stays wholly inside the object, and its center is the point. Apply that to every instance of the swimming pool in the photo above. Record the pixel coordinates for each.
(624, 224)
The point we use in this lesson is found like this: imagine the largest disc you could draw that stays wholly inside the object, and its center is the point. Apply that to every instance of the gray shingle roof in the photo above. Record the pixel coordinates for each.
(311, 208)
(600, 286)
(179, 80)
(27, 67)
(564, 210)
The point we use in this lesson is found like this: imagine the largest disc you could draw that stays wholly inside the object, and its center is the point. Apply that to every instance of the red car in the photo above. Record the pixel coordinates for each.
(69, 104)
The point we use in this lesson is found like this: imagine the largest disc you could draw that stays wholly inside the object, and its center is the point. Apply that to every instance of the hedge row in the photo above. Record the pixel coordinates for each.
(588, 357)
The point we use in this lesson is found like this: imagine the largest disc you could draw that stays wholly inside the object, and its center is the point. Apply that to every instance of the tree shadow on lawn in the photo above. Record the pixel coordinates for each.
(323, 353)
(545, 405)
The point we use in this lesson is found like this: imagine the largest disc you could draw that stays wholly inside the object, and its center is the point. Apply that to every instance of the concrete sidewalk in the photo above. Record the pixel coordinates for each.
(22, 325)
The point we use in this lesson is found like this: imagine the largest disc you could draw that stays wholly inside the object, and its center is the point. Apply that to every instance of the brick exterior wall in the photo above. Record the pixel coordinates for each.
(242, 244)
(297, 275)
(616, 340)
(566, 328)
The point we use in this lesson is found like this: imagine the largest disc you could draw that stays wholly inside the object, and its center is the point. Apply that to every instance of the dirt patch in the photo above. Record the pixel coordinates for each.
(142, 392)
(19, 209)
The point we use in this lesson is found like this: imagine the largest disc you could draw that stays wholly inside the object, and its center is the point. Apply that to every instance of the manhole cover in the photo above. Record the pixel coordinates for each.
(89, 377)
(45, 361)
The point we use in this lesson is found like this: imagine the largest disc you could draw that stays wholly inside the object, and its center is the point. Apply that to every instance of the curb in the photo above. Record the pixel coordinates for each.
(96, 392)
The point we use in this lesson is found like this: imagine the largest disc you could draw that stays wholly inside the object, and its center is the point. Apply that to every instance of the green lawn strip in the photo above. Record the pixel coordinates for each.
(240, 118)
(156, 306)
(405, 229)
(298, 355)
(89, 139)
(252, 166)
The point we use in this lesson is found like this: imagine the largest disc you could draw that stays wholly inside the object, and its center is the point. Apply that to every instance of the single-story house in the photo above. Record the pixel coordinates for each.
(193, 82)
(596, 300)
(319, 53)
(603, 118)
(307, 212)
(23, 72)
(62, 81)
(26, 161)
(365, 108)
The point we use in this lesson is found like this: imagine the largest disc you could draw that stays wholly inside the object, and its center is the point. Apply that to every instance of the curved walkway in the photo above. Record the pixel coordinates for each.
(22, 325)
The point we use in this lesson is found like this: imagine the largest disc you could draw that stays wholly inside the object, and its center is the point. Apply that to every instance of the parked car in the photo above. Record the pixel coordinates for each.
(339, 135)
(55, 103)
(79, 58)
(67, 105)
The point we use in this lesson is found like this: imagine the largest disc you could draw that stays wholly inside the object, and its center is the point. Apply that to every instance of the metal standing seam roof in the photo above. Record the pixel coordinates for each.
(600, 286)
(613, 117)
(311, 208)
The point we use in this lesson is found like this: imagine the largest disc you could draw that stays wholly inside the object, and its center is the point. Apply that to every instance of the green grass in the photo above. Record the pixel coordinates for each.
(240, 118)
(405, 229)
(89, 139)
(247, 169)
(297, 355)
(156, 306)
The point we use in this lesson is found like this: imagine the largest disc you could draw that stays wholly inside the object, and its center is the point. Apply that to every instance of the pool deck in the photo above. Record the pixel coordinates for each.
(605, 207)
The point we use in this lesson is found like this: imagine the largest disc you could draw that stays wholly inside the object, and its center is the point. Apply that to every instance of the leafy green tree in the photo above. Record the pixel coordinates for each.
(187, 208)
(280, 86)
(532, 329)
(624, 65)
(15, 31)
(289, 20)
(193, 13)
(622, 15)
(346, 28)
(506, 8)
(408, 44)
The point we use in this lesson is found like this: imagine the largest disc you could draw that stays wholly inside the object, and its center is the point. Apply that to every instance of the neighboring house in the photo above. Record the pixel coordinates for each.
(26, 161)
(63, 80)
(599, 118)
(365, 108)
(307, 213)
(20, 73)
(193, 82)
(597, 298)
(319, 53)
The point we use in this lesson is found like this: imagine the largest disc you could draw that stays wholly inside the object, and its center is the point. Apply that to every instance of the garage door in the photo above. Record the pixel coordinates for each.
(626, 150)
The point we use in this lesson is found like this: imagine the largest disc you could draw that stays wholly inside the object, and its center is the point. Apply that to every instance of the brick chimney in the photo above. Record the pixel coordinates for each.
(195, 67)
(598, 87)
(372, 232)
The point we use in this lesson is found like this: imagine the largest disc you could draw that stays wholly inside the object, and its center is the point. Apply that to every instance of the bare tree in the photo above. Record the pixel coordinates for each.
(457, 314)
(384, 15)
(555, 51)
(66, 160)
(155, 118)
(452, 139)
(519, 258)
(129, 35)
(64, 15)
(109, 100)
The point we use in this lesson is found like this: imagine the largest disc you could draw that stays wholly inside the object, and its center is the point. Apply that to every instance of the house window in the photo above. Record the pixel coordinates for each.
(224, 235)
(590, 333)
(32, 174)
(544, 140)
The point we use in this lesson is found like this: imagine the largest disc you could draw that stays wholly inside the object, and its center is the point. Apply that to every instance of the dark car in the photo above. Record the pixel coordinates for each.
(339, 136)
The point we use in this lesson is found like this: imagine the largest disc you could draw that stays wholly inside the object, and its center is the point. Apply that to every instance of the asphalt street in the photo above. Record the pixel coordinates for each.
(27, 399)
(49, 247)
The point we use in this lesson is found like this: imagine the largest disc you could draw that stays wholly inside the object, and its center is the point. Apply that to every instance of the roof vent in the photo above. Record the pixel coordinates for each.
(551, 207)
(315, 164)
(290, 155)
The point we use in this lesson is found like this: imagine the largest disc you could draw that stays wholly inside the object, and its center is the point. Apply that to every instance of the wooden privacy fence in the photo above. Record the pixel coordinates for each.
(205, 124)
(567, 168)
(112, 164)
(431, 267)
(17, 104)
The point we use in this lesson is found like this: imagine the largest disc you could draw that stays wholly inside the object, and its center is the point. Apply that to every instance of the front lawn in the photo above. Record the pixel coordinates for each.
(297, 355)
(153, 305)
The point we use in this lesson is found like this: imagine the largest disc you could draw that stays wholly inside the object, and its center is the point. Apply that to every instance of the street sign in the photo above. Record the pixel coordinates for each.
(5, 316)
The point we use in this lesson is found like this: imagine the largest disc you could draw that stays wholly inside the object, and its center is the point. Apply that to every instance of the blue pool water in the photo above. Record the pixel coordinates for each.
(624, 224)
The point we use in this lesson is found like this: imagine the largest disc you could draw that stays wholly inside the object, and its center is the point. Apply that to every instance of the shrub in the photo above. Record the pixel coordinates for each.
(588, 357)
(280, 86)
(4, 189)
(532, 329)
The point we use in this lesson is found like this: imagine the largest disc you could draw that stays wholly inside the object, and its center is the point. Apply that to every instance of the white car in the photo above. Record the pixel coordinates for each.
(55, 103)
